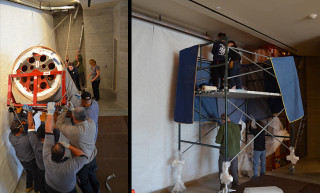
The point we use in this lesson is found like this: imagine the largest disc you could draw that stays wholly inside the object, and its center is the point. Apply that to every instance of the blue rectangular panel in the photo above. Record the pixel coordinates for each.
(287, 77)
(185, 85)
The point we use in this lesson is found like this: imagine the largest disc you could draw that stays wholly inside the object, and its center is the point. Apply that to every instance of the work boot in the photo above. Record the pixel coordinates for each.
(29, 189)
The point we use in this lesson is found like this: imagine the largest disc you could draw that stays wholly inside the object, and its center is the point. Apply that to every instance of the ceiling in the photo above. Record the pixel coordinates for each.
(282, 23)
(84, 3)
(53, 3)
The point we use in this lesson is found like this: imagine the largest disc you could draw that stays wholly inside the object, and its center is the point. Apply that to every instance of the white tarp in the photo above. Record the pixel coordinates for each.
(21, 28)
(155, 58)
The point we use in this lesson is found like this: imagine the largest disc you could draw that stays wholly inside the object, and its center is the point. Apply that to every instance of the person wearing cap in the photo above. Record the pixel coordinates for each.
(20, 142)
(92, 109)
(82, 135)
(60, 175)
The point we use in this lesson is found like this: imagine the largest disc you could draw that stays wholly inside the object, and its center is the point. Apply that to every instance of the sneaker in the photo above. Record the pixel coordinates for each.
(29, 189)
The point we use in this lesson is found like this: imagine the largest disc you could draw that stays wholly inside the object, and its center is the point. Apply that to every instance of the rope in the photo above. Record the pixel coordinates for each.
(53, 30)
(68, 36)
(15, 114)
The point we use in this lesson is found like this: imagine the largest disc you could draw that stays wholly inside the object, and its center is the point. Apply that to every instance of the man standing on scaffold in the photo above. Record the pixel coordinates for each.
(218, 51)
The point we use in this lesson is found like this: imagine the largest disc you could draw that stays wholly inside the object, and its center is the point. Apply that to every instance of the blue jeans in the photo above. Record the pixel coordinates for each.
(87, 179)
(259, 156)
(32, 177)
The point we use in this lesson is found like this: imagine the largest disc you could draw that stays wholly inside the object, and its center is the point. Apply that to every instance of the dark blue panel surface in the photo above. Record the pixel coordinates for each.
(258, 109)
(271, 85)
(236, 115)
(185, 85)
(209, 109)
(287, 77)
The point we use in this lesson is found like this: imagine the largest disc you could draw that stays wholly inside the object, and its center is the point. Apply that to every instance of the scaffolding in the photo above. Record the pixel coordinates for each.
(227, 94)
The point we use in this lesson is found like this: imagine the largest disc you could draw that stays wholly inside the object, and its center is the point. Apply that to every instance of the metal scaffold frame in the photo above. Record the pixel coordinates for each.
(226, 92)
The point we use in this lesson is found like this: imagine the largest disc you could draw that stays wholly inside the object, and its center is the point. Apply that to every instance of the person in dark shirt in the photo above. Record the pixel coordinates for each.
(218, 51)
(20, 142)
(36, 139)
(233, 56)
(74, 74)
(259, 149)
(79, 64)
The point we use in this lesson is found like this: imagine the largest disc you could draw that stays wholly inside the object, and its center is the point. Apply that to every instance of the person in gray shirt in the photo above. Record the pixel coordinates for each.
(92, 109)
(82, 135)
(95, 78)
(36, 141)
(60, 175)
(20, 142)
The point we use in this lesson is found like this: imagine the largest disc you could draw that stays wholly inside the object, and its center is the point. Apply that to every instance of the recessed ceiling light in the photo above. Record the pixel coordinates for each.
(312, 16)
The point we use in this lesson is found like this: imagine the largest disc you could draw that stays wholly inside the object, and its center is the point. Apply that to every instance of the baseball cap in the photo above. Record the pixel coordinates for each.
(86, 95)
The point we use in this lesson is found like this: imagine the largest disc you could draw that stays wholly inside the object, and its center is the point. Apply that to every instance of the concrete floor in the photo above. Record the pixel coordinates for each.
(108, 106)
(207, 184)
(307, 170)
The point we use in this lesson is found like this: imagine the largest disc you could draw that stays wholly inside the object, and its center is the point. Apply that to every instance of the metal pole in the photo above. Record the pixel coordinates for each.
(200, 119)
(239, 49)
(263, 129)
(200, 59)
(212, 66)
(226, 99)
(200, 100)
(246, 109)
(254, 63)
(292, 135)
(195, 143)
(179, 142)
(205, 117)
(249, 73)
(170, 26)
(202, 137)
(259, 124)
